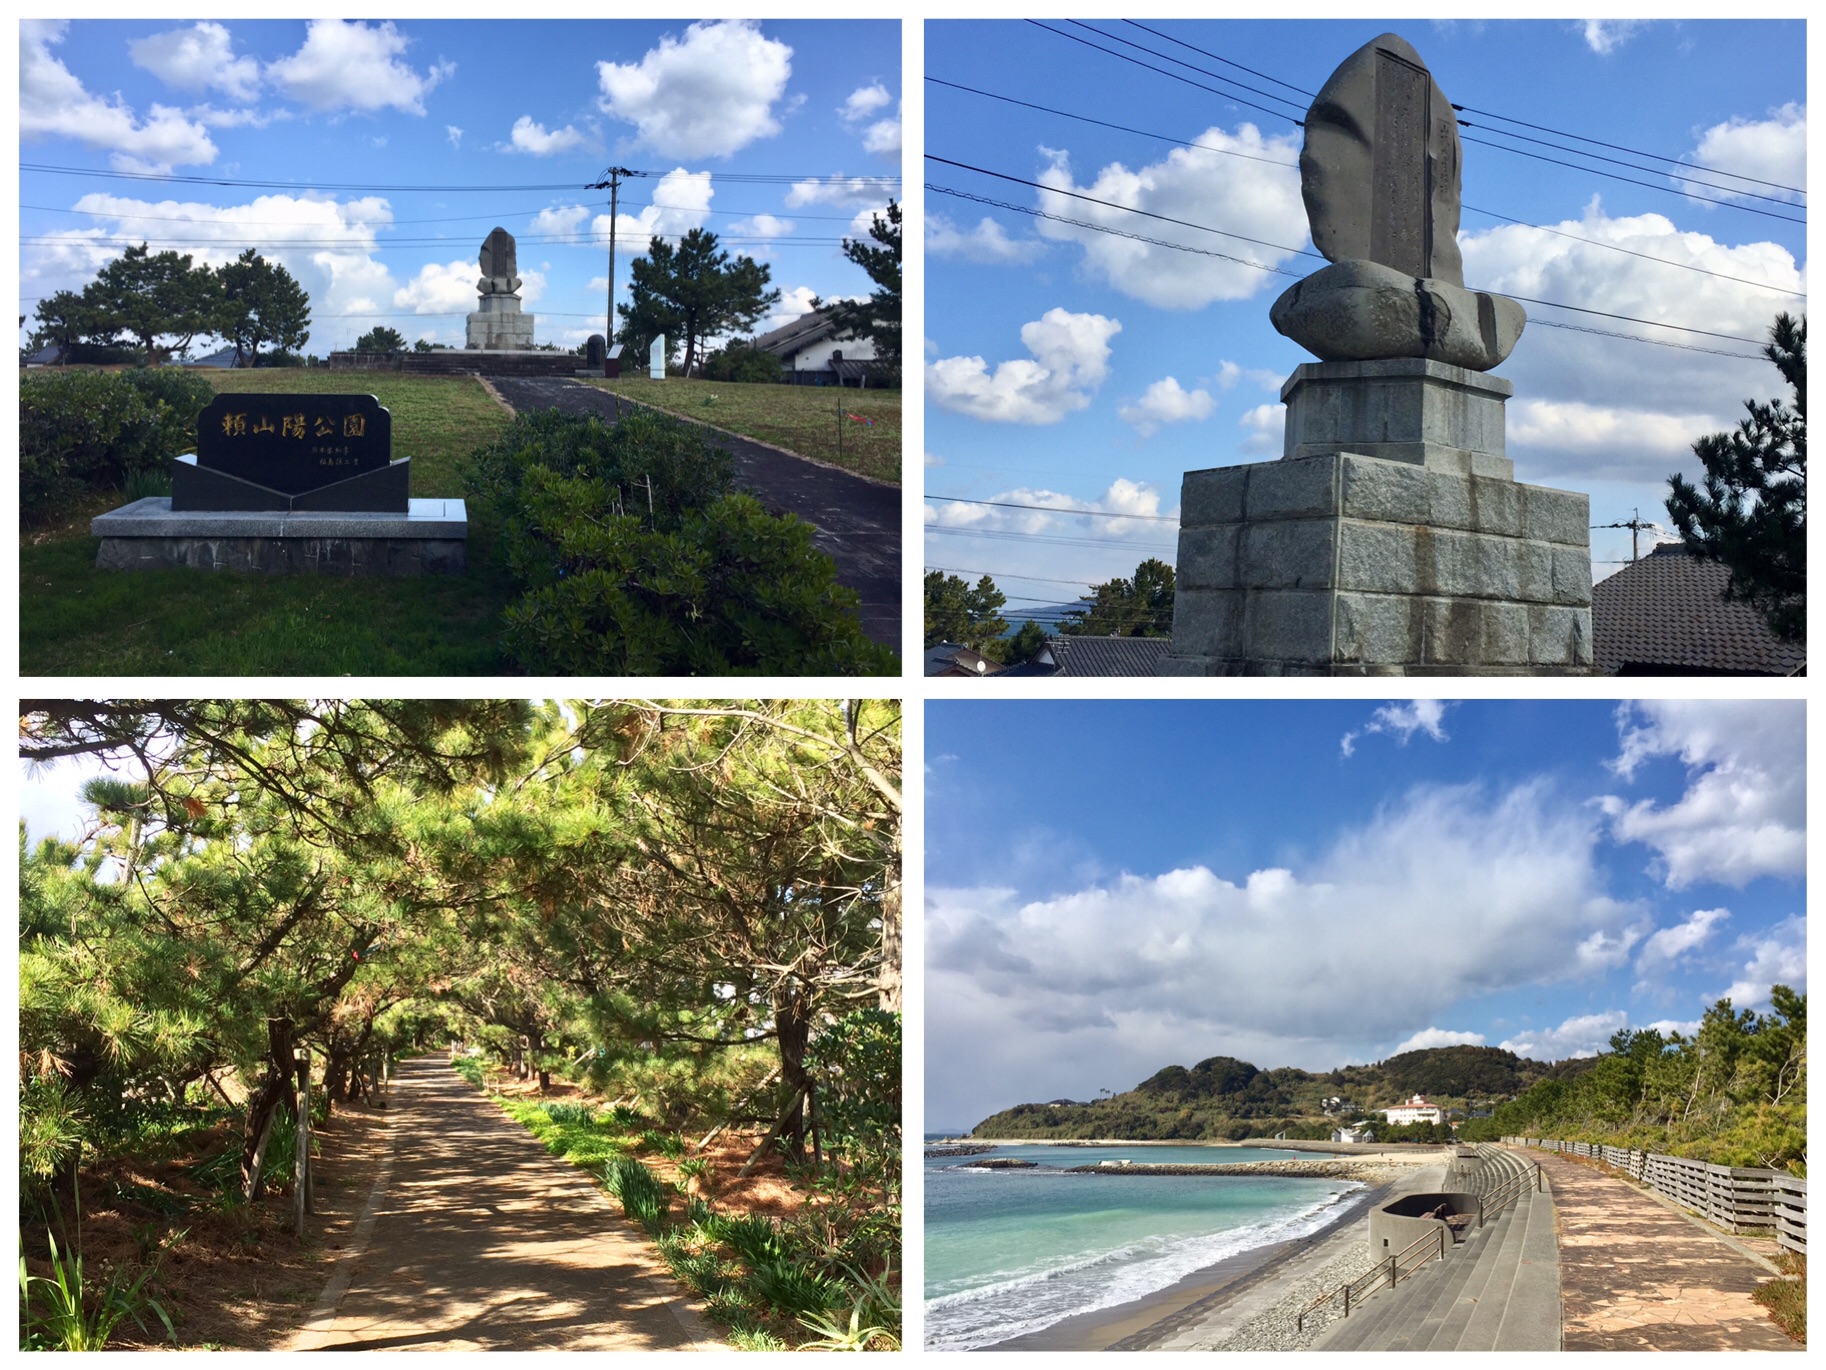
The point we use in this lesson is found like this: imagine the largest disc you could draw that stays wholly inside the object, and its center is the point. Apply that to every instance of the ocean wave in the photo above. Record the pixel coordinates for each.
(1028, 1299)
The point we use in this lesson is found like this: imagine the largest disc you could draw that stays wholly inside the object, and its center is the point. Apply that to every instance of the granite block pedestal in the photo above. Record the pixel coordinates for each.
(1345, 564)
(431, 538)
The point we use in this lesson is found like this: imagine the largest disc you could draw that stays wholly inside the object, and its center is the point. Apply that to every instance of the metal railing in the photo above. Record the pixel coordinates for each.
(1506, 1194)
(1393, 1270)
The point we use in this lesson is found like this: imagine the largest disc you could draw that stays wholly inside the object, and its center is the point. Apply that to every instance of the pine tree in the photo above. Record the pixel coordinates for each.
(262, 303)
(693, 292)
(1752, 513)
(878, 317)
(1139, 606)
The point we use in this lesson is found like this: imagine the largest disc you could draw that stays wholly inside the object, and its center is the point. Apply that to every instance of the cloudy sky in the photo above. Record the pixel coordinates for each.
(740, 125)
(1073, 369)
(1117, 886)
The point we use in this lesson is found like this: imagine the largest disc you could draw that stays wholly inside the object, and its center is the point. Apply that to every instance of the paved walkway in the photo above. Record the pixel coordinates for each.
(858, 520)
(1636, 1277)
(476, 1239)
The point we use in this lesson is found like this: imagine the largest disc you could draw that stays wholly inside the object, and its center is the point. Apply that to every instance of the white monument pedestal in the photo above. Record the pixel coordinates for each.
(499, 326)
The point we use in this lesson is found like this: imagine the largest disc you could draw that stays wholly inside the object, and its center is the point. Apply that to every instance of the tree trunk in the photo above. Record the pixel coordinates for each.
(792, 1029)
(888, 983)
(274, 1090)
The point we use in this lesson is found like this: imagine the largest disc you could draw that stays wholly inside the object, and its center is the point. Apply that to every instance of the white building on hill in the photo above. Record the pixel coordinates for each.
(1415, 1110)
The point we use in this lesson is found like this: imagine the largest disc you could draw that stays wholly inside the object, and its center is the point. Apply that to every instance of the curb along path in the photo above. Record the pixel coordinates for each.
(857, 520)
(1636, 1277)
(481, 1241)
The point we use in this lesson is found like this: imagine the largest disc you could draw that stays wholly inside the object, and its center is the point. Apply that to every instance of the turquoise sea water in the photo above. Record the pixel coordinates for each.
(1012, 1251)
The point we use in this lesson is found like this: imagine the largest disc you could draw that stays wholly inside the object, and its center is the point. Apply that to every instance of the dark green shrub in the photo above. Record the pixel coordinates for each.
(81, 432)
(638, 561)
(743, 364)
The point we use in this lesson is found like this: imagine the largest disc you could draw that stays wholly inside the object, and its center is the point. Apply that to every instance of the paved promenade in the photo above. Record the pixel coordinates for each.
(1635, 1276)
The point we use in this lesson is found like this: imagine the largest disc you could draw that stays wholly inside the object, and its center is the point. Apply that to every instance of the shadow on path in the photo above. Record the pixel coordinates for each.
(1636, 1277)
(485, 1242)
(857, 520)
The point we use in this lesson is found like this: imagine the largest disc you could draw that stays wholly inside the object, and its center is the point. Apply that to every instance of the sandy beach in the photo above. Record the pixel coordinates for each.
(1214, 1304)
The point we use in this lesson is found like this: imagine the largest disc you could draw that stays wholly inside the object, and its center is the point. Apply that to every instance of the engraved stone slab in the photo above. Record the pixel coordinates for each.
(656, 359)
(499, 262)
(1381, 164)
(294, 443)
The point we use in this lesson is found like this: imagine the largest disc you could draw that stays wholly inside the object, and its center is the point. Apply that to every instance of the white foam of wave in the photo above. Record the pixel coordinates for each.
(1033, 1298)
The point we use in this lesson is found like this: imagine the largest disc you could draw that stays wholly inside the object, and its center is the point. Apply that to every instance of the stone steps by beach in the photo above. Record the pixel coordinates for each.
(1498, 1291)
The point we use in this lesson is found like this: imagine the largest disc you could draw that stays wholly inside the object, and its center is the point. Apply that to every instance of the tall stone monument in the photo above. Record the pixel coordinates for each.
(497, 324)
(1391, 538)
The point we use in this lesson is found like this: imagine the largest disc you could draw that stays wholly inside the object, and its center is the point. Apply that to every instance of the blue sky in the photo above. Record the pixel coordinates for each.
(1116, 886)
(456, 104)
(1076, 370)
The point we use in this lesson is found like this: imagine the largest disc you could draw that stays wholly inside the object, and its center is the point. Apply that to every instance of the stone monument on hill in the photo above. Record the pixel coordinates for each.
(1391, 538)
(497, 324)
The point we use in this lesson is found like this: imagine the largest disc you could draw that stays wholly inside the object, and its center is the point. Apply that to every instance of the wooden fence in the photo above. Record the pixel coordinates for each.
(1735, 1198)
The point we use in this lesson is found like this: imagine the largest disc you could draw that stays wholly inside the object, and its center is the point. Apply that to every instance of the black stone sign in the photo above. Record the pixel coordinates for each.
(294, 443)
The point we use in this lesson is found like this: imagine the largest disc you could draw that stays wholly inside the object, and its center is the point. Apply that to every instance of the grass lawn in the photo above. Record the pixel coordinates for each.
(77, 620)
(809, 420)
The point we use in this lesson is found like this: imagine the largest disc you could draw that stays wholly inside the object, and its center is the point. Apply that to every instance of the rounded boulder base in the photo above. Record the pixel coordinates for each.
(1361, 311)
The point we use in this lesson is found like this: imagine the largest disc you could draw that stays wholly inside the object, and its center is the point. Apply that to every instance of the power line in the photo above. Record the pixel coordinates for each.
(1049, 509)
(1681, 328)
(1297, 90)
(1294, 166)
(1008, 535)
(1161, 70)
(394, 223)
(1300, 123)
(1265, 94)
(1113, 232)
(1008, 575)
(1128, 209)
(1636, 152)
(591, 239)
(835, 180)
(1615, 161)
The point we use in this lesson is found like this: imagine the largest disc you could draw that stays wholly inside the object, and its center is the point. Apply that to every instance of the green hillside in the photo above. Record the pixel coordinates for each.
(1224, 1098)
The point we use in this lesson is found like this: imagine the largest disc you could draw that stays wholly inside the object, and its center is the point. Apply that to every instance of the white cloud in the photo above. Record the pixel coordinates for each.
(1229, 374)
(1586, 1035)
(1428, 1039)
(210, 117)
(680, 203)
(531, 137)
(200, 57)
(1648, 403)
(1265, 427)
(1743, 815)
(987, 244)
(1605, 36)
(932, 460)
(454, 134)
(1255, 199)
(1191, 956)
(440, 288)
(843, 191)
(1777, 956)
(709, 94)
(882, 138)
(864, 101)
(355, 66)
(54, 104)
(1401, 721)
(1166, 401)
(1667, 946)
(795, 303)
(1772, 149)
(1070, 360)
(560, 221)
(761, 226)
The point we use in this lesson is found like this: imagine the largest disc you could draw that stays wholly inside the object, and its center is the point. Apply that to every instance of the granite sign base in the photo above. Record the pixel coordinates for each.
(1342, 564)
(431, 538)
(199, 489)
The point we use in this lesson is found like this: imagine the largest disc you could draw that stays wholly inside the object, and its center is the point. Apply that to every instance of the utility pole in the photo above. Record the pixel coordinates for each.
(1637, 525)
(611, 182)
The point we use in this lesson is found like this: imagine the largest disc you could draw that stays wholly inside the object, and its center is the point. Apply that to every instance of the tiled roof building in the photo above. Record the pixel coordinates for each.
(1666, 615)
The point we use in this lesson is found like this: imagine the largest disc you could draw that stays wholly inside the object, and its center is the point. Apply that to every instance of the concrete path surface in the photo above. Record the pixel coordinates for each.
(1636, 1277)
(476, 1239)
(857, 520)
